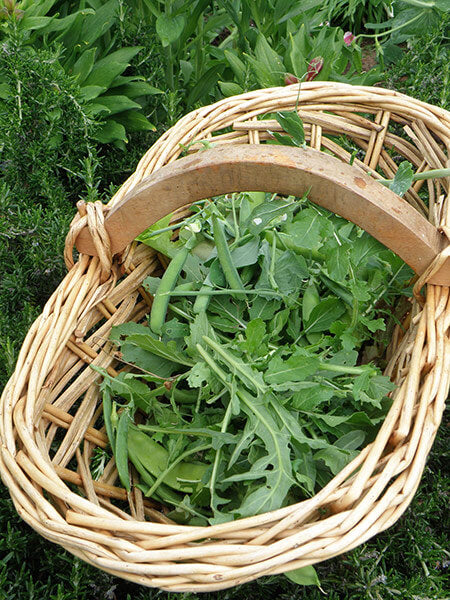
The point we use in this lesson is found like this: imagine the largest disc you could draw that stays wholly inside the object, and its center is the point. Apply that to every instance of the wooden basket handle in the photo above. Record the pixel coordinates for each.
(332, 184)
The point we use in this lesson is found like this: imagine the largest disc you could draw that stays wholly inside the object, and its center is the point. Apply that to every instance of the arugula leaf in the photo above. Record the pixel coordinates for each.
(324, 315)
(297, 367)
(168, 351)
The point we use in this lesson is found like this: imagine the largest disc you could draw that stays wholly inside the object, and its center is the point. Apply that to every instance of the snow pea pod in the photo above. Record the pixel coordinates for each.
(182, 396)
(164, 493)
(168, 283)
(340, 291)
(184, 476)
(121, 450)
(225, 260)
(202, 301)
(284, 242)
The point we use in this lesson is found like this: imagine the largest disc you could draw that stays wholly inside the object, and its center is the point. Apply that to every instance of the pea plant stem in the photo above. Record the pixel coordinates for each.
(377, 35)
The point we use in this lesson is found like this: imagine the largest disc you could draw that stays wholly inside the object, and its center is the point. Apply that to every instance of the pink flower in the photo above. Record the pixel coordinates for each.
(348, 38)
(290, 79)
(314, 68)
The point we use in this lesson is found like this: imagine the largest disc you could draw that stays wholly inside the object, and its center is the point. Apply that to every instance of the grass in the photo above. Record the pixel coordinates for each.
(410, 561)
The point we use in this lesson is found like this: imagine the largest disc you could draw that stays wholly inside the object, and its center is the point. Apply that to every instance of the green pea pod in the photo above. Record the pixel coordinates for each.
(155, 459)
(338, 289)
(225, 260)
(311, 299)
(164, 493)
(284, 242)
(107, 411)
(186, 287)
(121, 450)
(202, 301)
(182, 396)
(168, 283)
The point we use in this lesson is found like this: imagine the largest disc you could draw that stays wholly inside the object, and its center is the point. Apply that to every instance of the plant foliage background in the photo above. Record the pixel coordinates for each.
(86, 86)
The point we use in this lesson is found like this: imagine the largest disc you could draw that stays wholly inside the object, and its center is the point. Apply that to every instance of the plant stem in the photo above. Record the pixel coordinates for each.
(377, 35)
(344, 369)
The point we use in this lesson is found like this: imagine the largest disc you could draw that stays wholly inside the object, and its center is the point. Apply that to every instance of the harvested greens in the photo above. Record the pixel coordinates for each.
(249, 391)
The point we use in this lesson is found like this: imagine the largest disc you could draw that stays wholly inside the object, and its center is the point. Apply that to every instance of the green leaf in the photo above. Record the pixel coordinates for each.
(324, 315)
(119, 332)
(136, 89)
(39, 9)
(442, 5)
(403, 179)
(262, 73)
(84, 64)
(365, 250)
(128, 387)
(107, 69)
(169, 28)
(304, 576)
(117, 104)
(95, 26)
(66, 23)
(199, 374)
(268, 57)
(133, 120)
(306, 229)
(254, 334)
(90, 92)
(263, 308)
(168, 351)
(161, 242)
(312, 395)
(205, 84)
(245, 255)
(338, 262)
(334, 458)
(290, 271)
(296, 368)
(269, 214)
(33, 23)
(228, 88)
(284, 140)
(110, 132)
(292, 124)
(237, 66)
(351, 440)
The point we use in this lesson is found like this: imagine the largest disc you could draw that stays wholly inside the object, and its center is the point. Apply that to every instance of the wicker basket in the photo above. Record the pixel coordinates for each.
(50, 414)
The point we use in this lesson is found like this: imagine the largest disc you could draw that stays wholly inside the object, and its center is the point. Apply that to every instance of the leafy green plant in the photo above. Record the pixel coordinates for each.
(255, 371)
(424, 71)
(237, 46)
(45, 124)
(411, 17)
(354, 14)
(87, 53)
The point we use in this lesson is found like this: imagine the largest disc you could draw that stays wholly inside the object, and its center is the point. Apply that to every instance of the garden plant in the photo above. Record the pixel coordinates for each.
(86, 87)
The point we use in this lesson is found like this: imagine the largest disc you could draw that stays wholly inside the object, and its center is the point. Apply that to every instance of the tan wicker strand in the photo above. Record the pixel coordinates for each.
(50, 410)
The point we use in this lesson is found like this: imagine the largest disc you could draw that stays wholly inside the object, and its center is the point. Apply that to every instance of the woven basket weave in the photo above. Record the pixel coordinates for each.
(50, 410)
